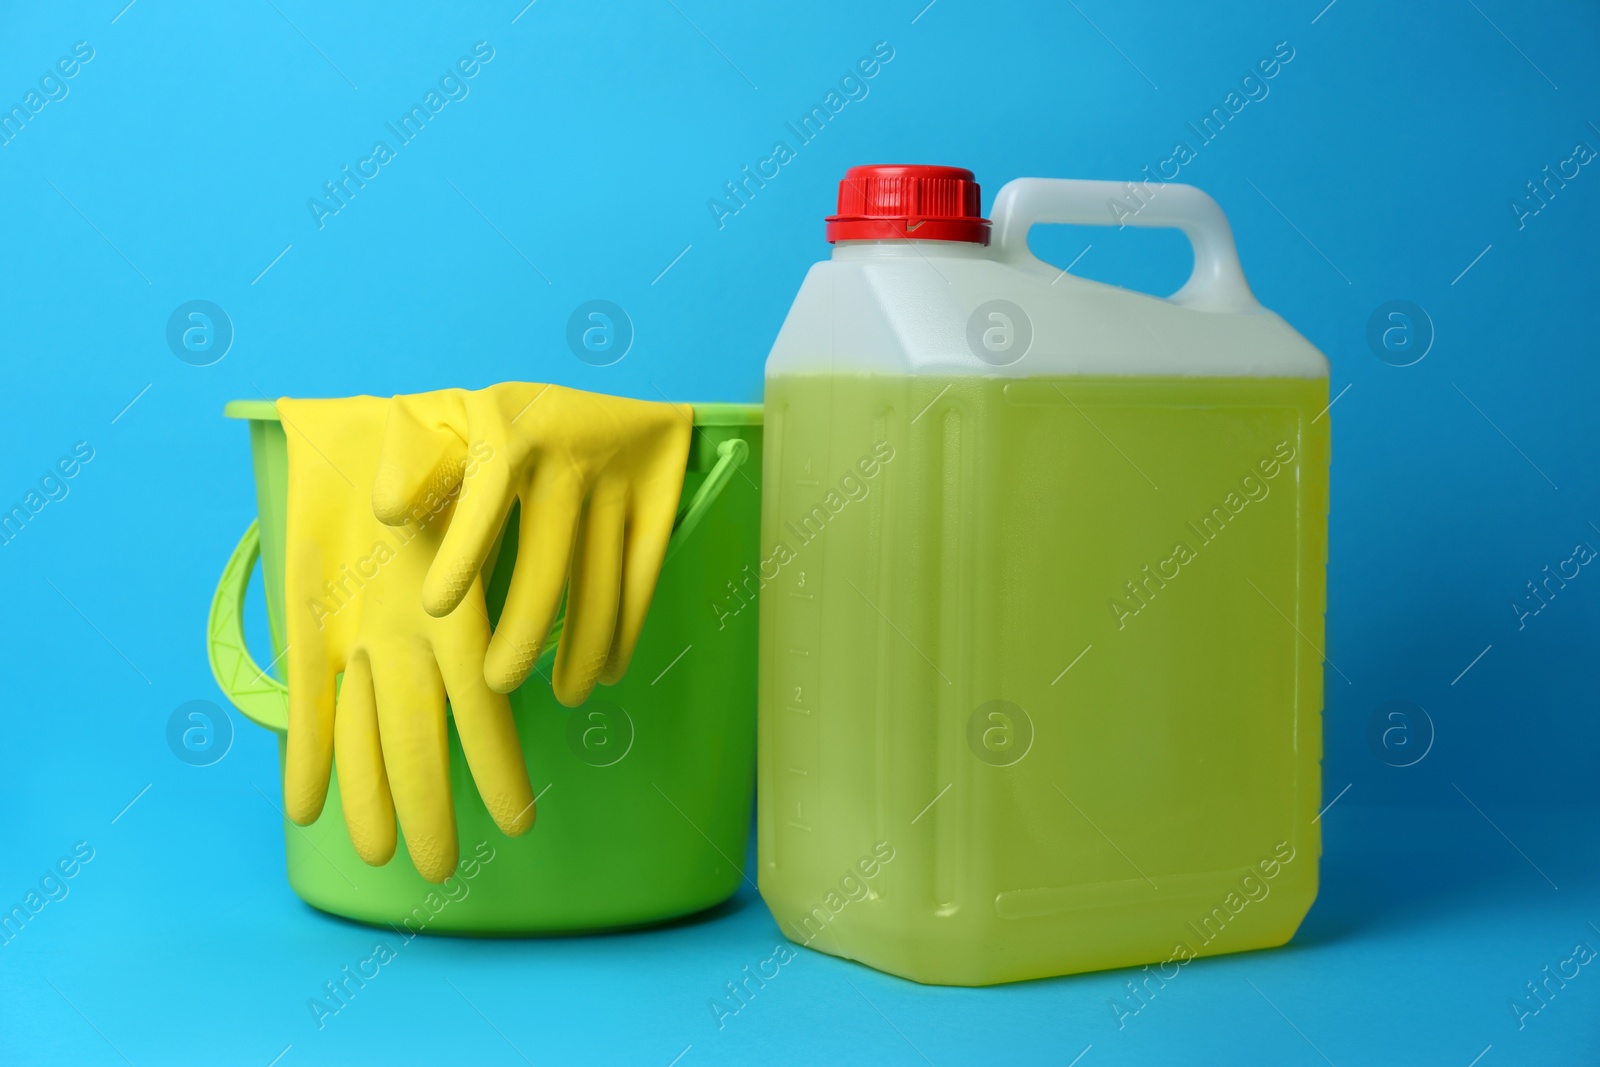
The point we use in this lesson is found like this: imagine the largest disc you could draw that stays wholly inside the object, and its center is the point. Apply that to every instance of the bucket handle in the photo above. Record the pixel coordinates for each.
(265, 701)
(1218, 282)
(731, 455)
(262, 698)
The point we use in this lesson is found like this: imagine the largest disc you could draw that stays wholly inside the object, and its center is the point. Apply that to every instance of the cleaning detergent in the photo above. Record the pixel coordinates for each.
(1042, 595)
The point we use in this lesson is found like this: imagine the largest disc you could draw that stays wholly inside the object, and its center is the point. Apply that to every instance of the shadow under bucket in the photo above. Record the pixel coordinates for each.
(644, 792)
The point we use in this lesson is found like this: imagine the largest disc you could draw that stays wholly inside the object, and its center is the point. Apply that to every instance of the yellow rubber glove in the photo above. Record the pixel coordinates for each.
(354, 596)
(598, 478)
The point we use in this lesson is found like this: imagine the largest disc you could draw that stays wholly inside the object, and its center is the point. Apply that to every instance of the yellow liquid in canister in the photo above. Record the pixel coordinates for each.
(1041, 681)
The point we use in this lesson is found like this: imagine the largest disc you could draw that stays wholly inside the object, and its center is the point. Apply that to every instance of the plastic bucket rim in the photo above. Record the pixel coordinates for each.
(709, 413)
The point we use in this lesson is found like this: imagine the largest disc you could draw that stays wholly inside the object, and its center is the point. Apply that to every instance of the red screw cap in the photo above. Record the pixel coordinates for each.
(898, 202)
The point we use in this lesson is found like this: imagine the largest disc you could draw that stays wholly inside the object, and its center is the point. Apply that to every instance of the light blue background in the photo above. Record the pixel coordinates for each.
(1380, 167)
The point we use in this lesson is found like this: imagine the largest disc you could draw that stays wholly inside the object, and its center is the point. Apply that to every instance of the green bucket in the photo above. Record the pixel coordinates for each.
(644, 792)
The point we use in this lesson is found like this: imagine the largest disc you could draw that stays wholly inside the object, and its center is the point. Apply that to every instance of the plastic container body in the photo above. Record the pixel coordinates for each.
(644, 792)
(1042, 607)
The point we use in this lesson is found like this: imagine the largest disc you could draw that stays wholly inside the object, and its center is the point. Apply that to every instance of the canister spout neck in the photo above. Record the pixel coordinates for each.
(913, 249)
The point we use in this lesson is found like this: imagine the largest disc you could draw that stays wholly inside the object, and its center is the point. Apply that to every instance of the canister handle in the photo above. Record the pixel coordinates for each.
(1218, 282)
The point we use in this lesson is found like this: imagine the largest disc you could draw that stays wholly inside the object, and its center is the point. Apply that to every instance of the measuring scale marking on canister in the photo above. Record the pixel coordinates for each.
(799, 677)
(1043, 594)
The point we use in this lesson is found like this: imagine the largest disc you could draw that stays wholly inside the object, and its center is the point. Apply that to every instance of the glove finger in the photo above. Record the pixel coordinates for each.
(416, 751)
(423, 455)
(308, 757)
(480, 511)
(591, 600)
(358, 754)
(545, 536)
(648, 530)
(483, 718)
